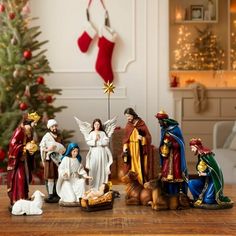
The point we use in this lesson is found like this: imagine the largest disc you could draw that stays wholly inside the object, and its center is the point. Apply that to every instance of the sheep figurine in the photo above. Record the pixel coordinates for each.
(27, 207)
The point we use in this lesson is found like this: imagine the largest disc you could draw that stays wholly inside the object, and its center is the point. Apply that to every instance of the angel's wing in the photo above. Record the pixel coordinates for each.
(84, 127)
(109, 126)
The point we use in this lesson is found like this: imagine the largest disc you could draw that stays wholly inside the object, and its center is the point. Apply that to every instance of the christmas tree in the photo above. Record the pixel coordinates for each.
(202, 53)
(23, 65)
(208, 53)
(183, 54)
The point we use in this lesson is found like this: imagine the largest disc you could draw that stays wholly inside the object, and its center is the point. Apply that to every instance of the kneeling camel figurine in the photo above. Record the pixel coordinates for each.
(161, 201)
(136, 194)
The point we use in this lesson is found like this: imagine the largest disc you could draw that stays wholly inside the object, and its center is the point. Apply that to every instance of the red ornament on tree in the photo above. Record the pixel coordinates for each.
(27, 54)
(23, 106)
(12, 15)
(2, 154)
(2, 8)
(49, 99)
(40, 80)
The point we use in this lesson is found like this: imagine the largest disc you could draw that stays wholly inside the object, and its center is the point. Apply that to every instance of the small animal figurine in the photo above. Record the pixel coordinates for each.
(136, 194)
(27, 207)
(163, 201)
(159, 200)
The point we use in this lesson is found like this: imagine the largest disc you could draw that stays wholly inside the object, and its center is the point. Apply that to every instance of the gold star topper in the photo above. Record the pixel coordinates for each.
(109, 87)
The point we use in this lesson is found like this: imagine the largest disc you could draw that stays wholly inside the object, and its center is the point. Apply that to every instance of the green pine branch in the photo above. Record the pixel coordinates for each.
(21, 69)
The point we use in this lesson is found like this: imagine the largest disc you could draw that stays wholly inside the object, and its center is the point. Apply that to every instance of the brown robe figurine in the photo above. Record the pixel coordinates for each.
(137, 146)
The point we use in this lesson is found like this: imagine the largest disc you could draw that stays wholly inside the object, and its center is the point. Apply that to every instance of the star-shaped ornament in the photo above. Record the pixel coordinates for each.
(109, 87)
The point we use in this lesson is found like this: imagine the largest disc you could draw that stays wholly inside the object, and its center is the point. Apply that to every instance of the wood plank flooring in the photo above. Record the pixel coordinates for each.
(121, 220)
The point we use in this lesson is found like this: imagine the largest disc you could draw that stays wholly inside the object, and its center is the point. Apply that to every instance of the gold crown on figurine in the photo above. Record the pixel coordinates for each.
(195, 141)
(162, 115)
(33, 116)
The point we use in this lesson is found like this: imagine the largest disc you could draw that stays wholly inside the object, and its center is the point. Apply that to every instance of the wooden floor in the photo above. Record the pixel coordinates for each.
(121, 220)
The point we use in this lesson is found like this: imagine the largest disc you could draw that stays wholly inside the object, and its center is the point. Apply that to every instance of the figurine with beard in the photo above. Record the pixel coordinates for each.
(49, 153)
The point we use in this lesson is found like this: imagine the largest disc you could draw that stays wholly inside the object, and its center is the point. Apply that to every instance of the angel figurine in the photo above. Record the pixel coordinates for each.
(99, 157)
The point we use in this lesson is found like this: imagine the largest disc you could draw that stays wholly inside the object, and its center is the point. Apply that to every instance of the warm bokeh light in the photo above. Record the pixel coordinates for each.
(233, 6)
(201, 53)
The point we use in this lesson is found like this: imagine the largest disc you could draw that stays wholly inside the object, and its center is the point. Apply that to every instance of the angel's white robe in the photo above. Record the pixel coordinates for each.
(98, 159)
(72, 188)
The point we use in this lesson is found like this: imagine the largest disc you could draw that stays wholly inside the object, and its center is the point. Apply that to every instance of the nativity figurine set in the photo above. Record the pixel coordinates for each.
(70, 184)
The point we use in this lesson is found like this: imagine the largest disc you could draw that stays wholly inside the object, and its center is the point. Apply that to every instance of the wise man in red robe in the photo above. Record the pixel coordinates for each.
(21, 159)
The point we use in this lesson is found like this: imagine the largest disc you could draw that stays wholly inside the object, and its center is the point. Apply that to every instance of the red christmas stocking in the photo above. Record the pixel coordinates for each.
(86, 37)
(106, 44)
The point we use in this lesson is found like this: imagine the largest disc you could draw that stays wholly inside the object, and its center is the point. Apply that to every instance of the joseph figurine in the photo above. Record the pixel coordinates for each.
(137, 145)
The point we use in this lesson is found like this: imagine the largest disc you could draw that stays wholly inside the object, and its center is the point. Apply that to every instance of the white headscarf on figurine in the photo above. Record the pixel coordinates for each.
(51, 123)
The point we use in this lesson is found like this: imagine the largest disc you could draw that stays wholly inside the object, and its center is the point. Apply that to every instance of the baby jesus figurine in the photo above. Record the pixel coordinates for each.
(94, 193)
(98, 199)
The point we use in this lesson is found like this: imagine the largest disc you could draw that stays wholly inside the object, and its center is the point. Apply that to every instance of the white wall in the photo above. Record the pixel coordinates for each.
(140, 60)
